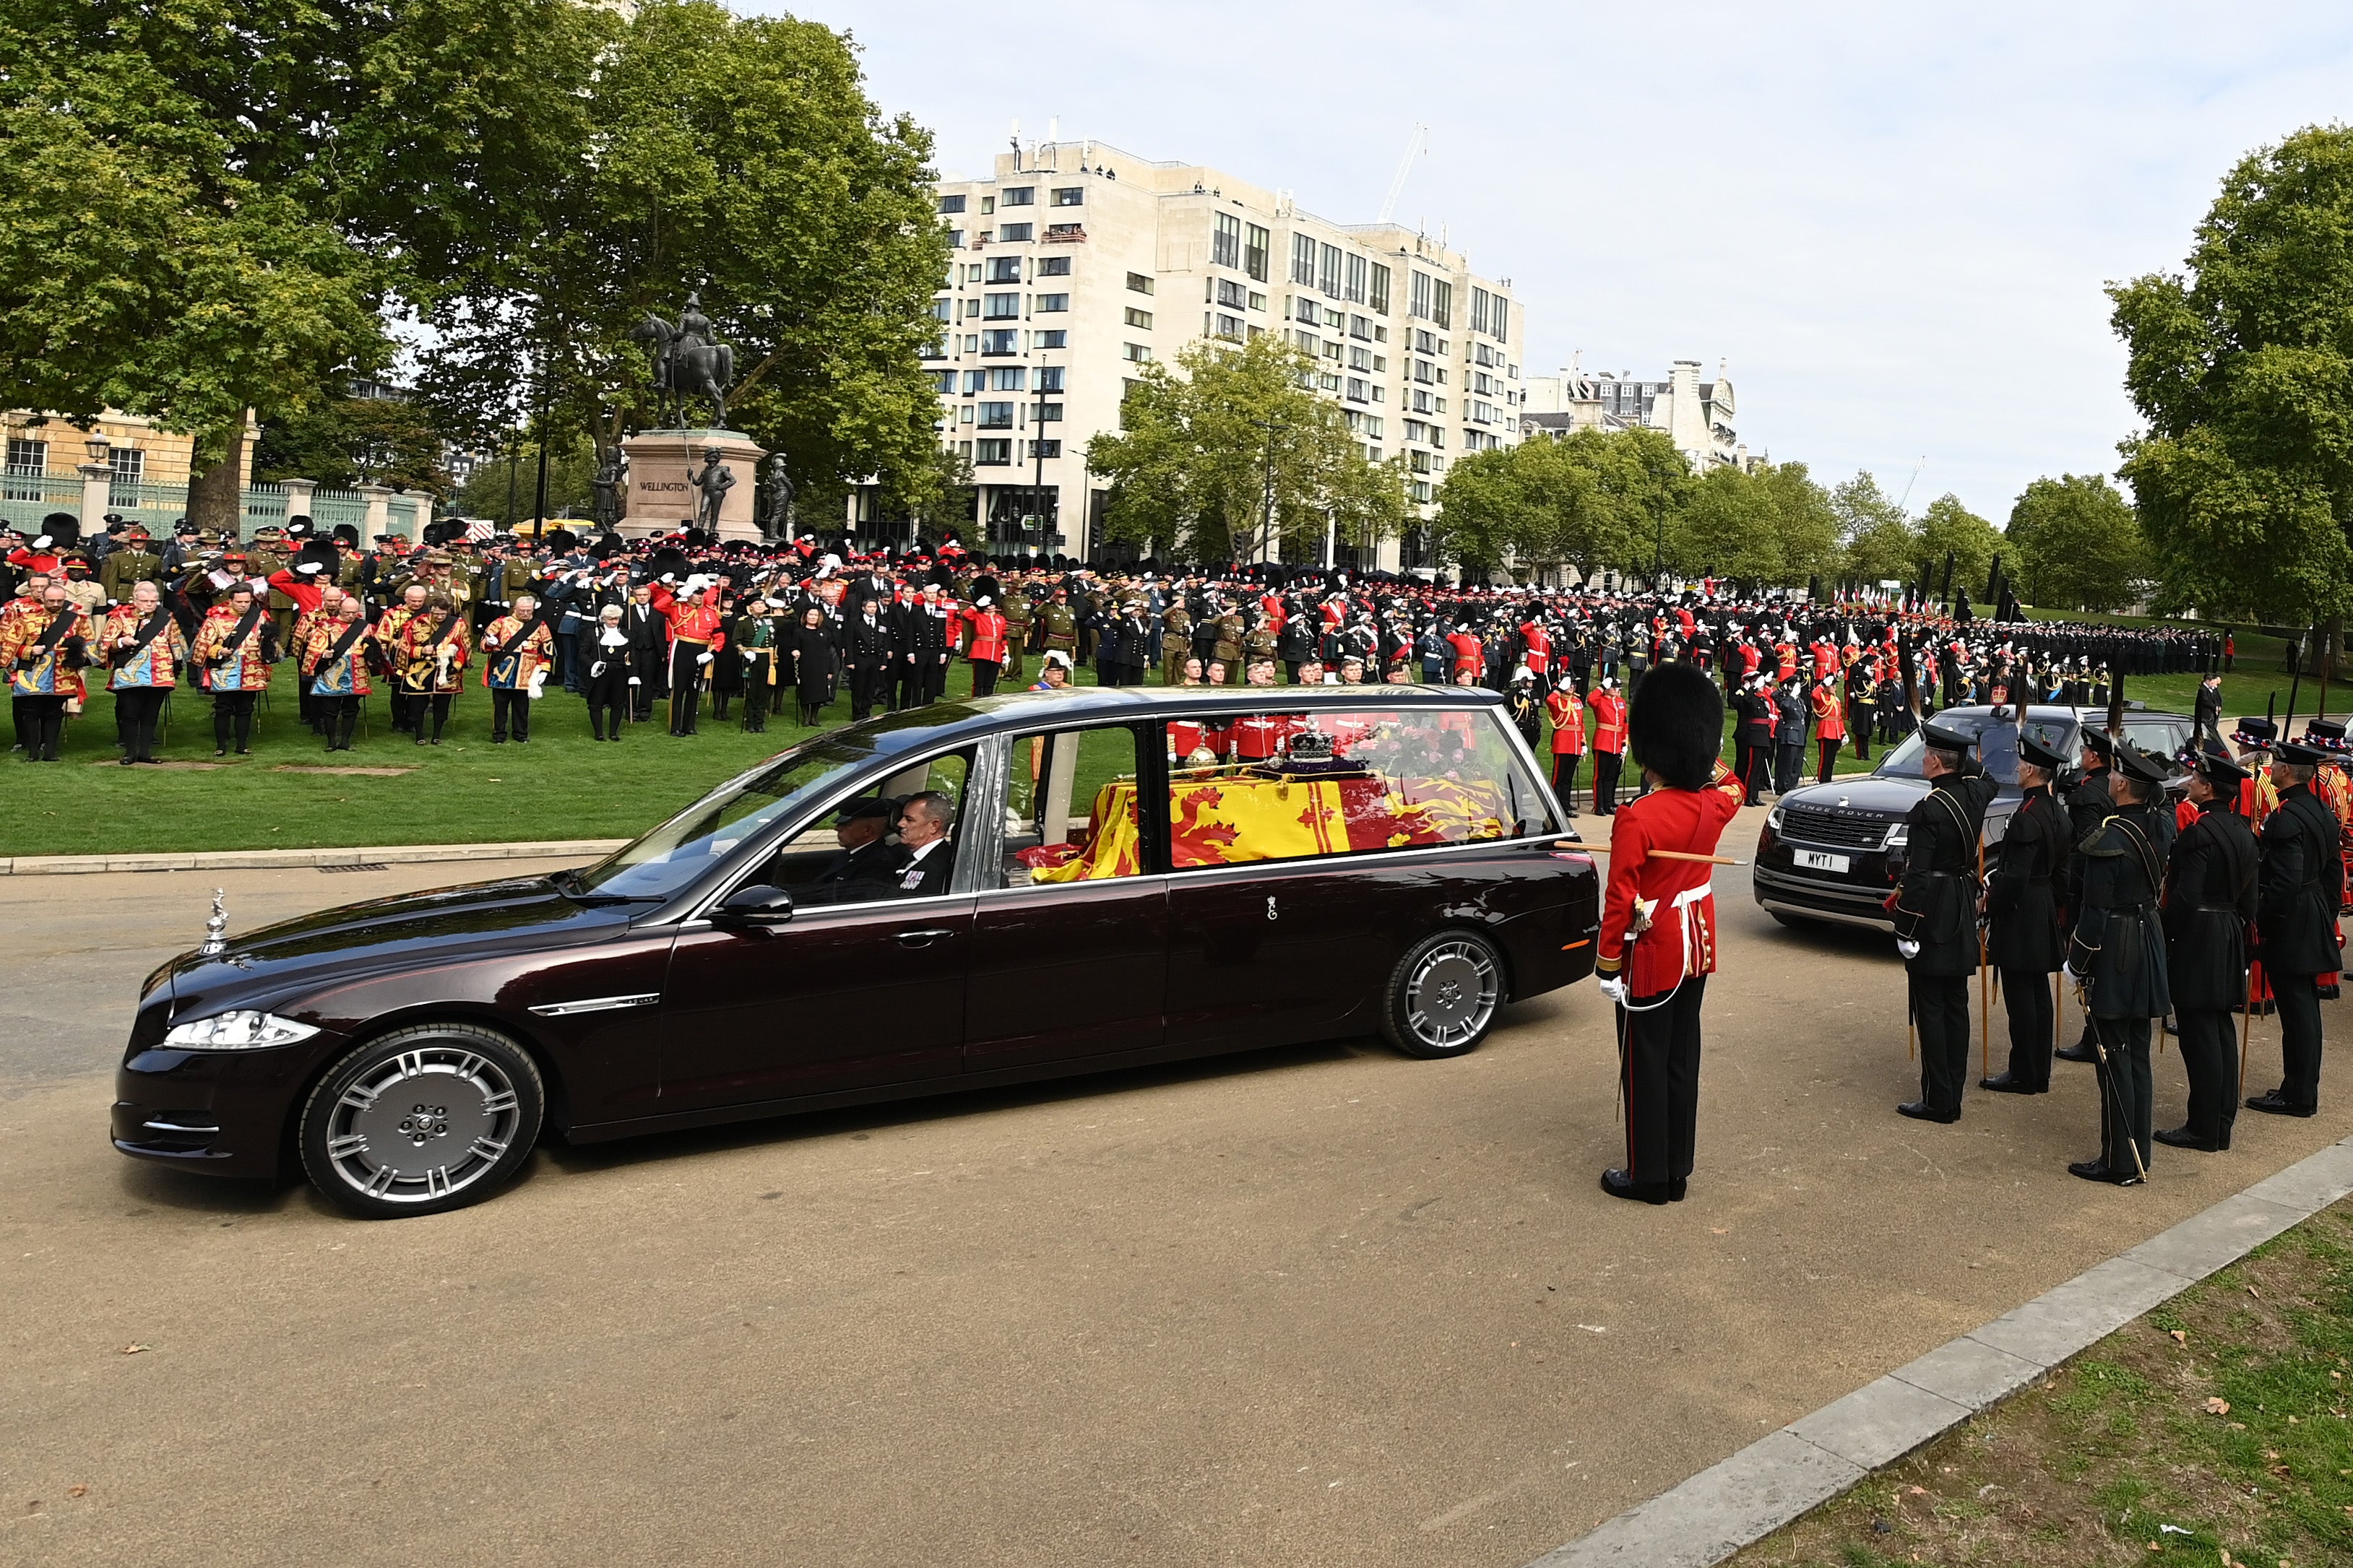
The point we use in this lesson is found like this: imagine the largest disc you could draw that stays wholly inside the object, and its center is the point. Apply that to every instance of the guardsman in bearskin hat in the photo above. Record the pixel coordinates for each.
(1936, 909)
(2117, 959)
(2209, 903)
(1657, 945)
(2023, 940)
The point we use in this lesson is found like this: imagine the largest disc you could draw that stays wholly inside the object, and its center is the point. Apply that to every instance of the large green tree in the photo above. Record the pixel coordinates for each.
(2243, 369)
(1879, 541)
(2076, 545)
(1772, 528)
(348, 441)
(1204, 443)
(1949, 528)
(210, 202)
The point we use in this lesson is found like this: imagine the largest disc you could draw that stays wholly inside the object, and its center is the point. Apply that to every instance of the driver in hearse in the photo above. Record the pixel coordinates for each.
(867, 863)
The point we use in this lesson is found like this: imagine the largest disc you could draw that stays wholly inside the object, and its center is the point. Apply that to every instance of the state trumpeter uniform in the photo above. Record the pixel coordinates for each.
(44, 650)
(1934, 906)
(143, 651)
(335, 663)
(232, 657)
(517, 650)
(429, 654)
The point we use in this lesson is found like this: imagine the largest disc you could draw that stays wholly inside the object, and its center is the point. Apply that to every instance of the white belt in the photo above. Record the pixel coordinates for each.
(1686, 903)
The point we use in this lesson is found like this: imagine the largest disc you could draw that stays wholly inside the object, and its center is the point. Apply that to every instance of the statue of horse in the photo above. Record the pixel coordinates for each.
(686, 369)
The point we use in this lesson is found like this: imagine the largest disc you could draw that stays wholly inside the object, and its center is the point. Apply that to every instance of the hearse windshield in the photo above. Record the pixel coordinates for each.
(1996, 745)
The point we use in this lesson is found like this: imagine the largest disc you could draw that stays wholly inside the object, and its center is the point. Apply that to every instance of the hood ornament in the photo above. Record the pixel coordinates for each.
(216, 928)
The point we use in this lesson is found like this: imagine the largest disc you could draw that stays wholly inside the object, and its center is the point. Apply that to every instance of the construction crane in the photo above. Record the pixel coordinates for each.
(1413, 149)
(1914, 480)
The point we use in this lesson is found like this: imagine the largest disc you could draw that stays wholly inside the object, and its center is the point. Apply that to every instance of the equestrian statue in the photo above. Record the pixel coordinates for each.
(687, 364)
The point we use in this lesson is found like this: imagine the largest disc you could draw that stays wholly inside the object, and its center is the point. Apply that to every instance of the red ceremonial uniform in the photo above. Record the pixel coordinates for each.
(1470, 653)
(1674, 895)
(1259, 737)
(1609, 722)
(988, 636)
(1539, 648)
(1568, 715)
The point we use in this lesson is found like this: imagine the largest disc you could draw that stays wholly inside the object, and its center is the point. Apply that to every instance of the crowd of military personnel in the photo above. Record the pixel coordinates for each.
(678, 629)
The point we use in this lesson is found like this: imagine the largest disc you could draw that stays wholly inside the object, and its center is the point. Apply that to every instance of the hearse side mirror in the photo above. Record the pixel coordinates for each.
(759, 905)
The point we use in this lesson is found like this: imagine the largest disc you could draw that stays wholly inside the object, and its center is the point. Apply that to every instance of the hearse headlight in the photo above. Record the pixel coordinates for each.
(1773, 817)
(1897, 833)
(243, 1030)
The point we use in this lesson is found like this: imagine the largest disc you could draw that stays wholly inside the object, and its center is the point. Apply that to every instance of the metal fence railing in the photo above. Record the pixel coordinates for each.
(26, 497)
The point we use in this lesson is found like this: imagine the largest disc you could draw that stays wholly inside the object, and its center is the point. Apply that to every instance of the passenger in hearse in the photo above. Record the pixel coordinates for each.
(929, 857)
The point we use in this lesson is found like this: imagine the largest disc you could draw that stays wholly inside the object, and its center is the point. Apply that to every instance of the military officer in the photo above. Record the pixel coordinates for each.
(126, 565)
(271, 552)
(2117, 959)
(1014, 607)
(2303, 879)
(2210, 900)
(2024, 944)
(1175, 642)
(2088, 805)
(1936, 916)
(1060, 624)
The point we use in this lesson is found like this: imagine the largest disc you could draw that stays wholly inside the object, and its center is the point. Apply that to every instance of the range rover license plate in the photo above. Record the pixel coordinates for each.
(1816, 860)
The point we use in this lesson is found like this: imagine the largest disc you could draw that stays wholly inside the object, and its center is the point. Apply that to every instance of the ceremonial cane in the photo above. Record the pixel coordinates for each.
(2246, 1026)
(1984, 1000)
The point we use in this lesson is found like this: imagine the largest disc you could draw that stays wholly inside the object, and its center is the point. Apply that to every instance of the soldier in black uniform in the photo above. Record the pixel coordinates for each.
(2021, 901)
(2210, 898)
(868, 649)
(1936, 916)
(2117, 959)
(2302, 886)
(2088, 805)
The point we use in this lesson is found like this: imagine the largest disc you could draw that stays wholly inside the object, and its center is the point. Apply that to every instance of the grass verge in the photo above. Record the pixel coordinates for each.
(2212, 1431)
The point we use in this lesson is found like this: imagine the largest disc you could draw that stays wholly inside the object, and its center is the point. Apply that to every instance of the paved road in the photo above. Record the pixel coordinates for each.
(1314, 1305)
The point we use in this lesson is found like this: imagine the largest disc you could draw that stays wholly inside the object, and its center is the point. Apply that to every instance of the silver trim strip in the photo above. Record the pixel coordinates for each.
(154, 1126)
(1834, 917)
(596, 1005)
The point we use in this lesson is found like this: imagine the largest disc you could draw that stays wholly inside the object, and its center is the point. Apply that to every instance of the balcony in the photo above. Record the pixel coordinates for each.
(1064, 234)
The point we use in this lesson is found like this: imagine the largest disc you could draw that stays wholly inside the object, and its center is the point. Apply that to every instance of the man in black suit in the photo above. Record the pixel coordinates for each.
(867, 863)
(2207, 714)
(648, 635)
(924, 825)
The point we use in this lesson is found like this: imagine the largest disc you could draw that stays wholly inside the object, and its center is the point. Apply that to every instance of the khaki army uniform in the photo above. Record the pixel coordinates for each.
(1259, 647)
(1176, 643)
(126, 568)
(1228, 646)
(1015, 609)
(1061, 624)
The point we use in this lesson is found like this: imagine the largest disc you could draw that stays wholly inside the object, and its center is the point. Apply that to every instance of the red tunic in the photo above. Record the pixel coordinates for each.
(1567, 723)
(988, 636)
(1539, 648)
(1608, 722)
(1681, 938)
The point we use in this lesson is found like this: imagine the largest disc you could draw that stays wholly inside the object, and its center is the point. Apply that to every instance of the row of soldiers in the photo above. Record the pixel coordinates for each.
(2201, 910)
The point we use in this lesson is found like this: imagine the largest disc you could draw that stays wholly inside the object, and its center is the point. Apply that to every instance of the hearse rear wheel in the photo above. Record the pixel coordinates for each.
(422, 1120)
(1443, 995)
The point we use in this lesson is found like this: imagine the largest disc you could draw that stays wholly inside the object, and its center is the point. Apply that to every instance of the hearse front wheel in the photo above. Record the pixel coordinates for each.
(1443, 995)
(421, 1121)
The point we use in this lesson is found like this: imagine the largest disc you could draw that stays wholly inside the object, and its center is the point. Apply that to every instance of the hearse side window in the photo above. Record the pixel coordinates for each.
(851, 853)
(1293, 786)
(1070, 809)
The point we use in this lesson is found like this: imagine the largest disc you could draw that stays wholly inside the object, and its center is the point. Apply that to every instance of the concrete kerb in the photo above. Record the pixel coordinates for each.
(297, 859)
(1805, 1464)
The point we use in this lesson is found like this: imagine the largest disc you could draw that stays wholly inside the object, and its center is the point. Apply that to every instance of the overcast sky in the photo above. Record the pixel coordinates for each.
(1892, 222)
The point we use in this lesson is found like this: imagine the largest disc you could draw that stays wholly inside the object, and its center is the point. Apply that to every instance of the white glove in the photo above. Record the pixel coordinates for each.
(702, 658)
(598, 668)
(1613, 989)
(2075, 975)
(635, 681)
(1907, 947)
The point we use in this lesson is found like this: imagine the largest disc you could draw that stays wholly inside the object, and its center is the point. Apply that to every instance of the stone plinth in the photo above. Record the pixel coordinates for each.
(661, 497)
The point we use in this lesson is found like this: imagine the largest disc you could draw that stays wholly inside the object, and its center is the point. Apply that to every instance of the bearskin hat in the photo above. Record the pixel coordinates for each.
(1676, 725)
(63, 528)
(321, 550)
(562, 540)
(985, 586)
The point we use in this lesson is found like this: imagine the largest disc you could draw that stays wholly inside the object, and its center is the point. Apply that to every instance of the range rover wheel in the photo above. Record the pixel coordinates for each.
(423, 1120)
(1442, 996)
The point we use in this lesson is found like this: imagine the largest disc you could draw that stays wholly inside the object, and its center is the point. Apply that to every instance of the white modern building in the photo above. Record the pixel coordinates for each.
(1076, 263)
(1699, 416)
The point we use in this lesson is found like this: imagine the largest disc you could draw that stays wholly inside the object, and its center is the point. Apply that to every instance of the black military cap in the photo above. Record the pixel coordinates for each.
(871, 805)
(2031, 749)
(2300, 754)
(2144, 767)
(1945, 739)
(2101, 743)
(2219, 771)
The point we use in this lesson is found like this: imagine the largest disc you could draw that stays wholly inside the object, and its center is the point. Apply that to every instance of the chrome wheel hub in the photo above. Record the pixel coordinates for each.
(1451, 995)
(423, 1124)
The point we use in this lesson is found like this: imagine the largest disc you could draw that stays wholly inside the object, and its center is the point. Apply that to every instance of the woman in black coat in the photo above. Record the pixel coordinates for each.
(817, 665)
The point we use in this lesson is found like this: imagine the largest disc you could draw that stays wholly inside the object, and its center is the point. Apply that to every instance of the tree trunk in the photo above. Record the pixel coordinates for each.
(216, 496)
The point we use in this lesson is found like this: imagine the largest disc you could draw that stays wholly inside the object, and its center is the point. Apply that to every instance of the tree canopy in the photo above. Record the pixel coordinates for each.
(2243, 369)
(2076, 544)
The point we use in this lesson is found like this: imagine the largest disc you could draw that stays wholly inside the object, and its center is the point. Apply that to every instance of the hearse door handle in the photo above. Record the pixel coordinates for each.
(923, 938)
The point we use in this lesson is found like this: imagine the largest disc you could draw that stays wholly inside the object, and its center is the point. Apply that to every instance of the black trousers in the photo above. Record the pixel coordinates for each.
(1940, 1006)
(342, 715)
(1858, 725)
(1605, 781)
(1658, 1071)
(1788, 762)
(136, 711)
(510, 713)
(2210, 1053)
(2026, 994)
(869, 685)
(436, 703)
(2127, 1093)
(2299, 1016)
(756, 690)
(1564, 779)
(984, 677)
(1830, 760)
(685, 686)
(407, 710)
(608, 697)
(41, 727)
(233, 718)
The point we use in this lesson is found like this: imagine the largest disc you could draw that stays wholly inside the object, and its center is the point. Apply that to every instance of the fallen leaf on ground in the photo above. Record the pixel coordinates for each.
(76, 1491)
(133, 1349)
(2180, 1337)
(2218, 1406)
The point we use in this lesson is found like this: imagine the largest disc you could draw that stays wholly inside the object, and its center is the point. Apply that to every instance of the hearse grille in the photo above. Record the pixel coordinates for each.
(1823, 827)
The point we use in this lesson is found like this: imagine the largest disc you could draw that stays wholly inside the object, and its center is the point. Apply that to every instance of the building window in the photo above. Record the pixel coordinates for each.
(1139, 352)
(1357, 279)
(1360, 359)
(1045, 449)
(1334, 321)
(1070, 196)
(1328, 382)
(1053, 266)
(1226, 241)
(1003, 378)
(1226, 326)
(1139, 283)
(1254, 251)
(974, 379)
(1232, 295)
(1049, 414)
(951, 204)
(1014, 233)
(1005, 270)
(955, 239)
(1049, 378)
(972, 342)
(965, 415)
(1360, 328)
(987, 205)
(1001, 307)
(1139, 319)
(1418, 300)
(997, 452)
(1377, 296)
(944, 310)
(1058, 338)
(1000, 341)
(1065, 232)
(27, 459)
(1018, 196)
(1052, 302)
(1303, 259)
(997, 416)
(1328, 277)
(1257, 301)
(1355, 390)
(943, 382)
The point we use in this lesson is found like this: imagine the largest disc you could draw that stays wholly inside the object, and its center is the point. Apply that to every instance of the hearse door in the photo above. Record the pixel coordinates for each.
(863, 988)
(1070, 947)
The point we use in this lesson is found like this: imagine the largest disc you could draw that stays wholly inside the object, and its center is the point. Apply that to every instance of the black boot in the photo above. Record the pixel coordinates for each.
(1619, 1184)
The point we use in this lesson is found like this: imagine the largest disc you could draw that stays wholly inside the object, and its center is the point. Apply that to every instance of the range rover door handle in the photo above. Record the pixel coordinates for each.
(923, 938)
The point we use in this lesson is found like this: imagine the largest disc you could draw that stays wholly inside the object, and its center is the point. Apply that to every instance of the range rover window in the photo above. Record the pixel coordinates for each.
(1996, 745)
(1293, 786)
(1071, 809)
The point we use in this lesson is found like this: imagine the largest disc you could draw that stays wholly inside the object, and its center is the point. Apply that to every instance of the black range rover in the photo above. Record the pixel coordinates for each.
(1823, 852)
